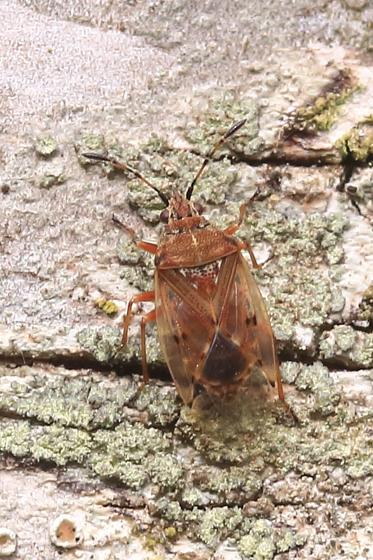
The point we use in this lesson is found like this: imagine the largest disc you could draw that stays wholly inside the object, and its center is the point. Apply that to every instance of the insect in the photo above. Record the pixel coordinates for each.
(212, 322)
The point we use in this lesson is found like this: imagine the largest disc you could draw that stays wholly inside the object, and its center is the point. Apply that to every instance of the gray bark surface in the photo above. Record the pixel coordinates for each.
(93, 465)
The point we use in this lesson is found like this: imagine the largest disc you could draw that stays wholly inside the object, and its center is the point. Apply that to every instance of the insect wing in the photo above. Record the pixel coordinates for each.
(215, 341)
(185, 328)
(243, 336)
(244, 317)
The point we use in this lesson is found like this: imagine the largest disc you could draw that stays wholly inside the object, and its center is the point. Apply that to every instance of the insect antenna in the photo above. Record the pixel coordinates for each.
(124, 167)
(232, 130)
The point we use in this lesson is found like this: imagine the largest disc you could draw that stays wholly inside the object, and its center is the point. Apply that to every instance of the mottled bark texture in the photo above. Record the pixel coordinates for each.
(93, 466)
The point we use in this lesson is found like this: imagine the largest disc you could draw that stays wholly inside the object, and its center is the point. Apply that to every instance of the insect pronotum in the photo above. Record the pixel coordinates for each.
(212, 322)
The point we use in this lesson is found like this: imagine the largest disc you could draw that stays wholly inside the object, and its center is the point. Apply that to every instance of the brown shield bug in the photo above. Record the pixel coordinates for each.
(212, 322)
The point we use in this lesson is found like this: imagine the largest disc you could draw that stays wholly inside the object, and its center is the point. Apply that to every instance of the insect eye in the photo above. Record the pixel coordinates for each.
(200, 209)
(164, 216)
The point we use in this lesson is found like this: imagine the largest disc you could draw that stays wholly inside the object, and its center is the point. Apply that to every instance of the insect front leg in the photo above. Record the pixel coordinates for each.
(245, 245)
(144, 245)
(231, 230)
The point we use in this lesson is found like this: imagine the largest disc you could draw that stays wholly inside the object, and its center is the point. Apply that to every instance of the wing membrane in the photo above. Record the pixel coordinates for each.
(214, 338)
(244, 318)
(185, 326)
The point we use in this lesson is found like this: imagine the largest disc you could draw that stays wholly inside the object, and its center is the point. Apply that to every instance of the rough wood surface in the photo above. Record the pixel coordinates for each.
(91, 465)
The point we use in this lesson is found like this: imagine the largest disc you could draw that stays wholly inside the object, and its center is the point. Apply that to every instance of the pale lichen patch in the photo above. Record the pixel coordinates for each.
(204, 475)
(347, 347)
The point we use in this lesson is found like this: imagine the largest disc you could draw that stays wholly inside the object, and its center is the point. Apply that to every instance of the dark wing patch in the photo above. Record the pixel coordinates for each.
(224, 360)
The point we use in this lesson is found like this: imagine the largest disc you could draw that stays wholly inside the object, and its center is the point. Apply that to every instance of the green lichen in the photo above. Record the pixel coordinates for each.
(323, 111)
(50, 179)
(50, 404)
(357, 143)
(168, 509)
(15, 437)
(193, 497)
(60, 445)
(140, 277)
(139, 269)
(288, 540)
(161, 406)
(298, 288)
(363, 468)
(130, 255)
(170, 533)
(45, 146)
(108, 401)
(348, 347)
(165, 471)
(365, 311)
(89, 142)
(229, 482)
(131, 442)
(218, 523)
(146, 203)
(259, 543)
(290, 371)
(317, 379)
(104, 344)
(225, 434)
(131, 475)
(220, 115)
(248, 435)
(175, 169)
(135, 455)
(74, 403)
(165, 170)
(44, 443)
(94, 142)
(199, 475)
(263, 541)
(107, 306)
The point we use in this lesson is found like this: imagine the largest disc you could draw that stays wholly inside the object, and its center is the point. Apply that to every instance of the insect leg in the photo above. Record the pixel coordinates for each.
(280, 389)
(280, 392)
(276, 378)
(231, 230)
(144, 245)
(145, 296)
(245, 245)
(147, 246)
(269, 361)
(148, 318)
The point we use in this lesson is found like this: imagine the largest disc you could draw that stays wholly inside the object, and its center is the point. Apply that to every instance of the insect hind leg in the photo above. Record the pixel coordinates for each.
(148, 318)
(145, 296)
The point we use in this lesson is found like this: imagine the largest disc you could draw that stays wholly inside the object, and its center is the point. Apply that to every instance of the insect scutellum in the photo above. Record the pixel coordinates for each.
(178, 206)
